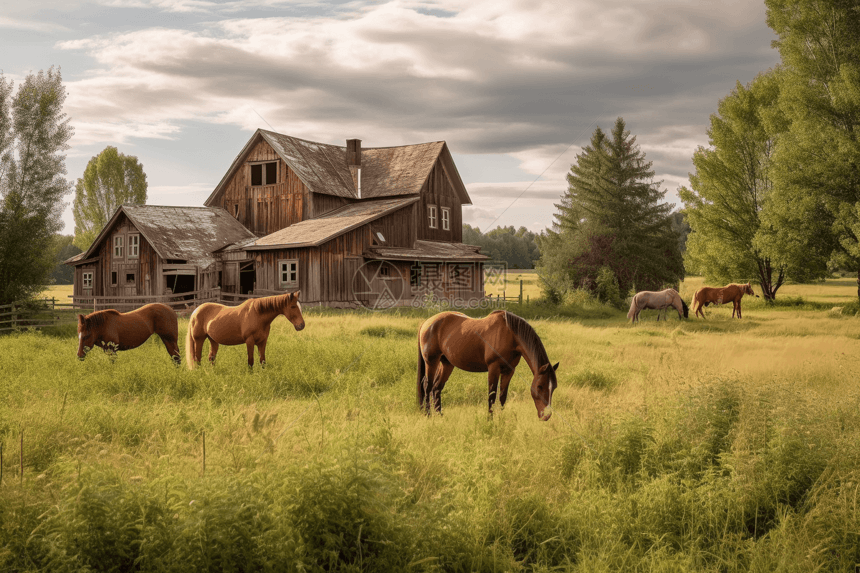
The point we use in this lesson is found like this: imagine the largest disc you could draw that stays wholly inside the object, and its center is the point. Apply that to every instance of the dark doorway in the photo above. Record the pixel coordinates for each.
(247, 277)
(180, 283)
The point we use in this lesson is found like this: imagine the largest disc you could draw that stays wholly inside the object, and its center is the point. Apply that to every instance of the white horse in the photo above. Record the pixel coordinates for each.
(658, 301)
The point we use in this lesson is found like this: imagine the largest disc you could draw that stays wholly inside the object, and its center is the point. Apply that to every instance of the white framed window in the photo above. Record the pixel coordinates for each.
(133, 246)
(446, 218)
(264, 173)
(117, 247)
(431, 213)
(288, 272)
(88, 280)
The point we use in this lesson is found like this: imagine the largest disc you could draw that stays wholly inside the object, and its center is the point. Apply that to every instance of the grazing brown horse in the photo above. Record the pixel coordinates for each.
(112, 330)
(493, 344)
(720, 295)
(657, 300)
(246, 324)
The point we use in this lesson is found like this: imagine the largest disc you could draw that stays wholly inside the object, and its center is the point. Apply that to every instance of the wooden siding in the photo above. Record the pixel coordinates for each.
(322, 204)
(398, 228)
(439, 191)
(325, 272)
(265, 209)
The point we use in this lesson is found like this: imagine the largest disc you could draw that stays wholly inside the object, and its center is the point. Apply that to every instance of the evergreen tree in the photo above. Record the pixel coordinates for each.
(34, 132)
(110, 179)
(613, 216)
(64, 248)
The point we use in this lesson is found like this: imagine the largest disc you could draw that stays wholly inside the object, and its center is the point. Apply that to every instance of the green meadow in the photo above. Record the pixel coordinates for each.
(713, 445)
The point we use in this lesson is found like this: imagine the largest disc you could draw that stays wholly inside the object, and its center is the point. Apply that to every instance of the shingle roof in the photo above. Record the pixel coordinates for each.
(385, 171)
(428, 251)
(314, 232)
(187, 233)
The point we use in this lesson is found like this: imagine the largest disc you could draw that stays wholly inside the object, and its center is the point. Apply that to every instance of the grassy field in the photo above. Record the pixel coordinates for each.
(717, 445)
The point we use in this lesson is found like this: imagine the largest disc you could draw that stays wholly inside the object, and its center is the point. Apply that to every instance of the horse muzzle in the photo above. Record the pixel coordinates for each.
(299, 327)
(545, 414)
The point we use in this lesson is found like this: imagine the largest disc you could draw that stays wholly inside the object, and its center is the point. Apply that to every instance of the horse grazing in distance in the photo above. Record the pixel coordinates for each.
(246, 324)
(112, 330)
(659, 301)
(493, 344)
(733, 293)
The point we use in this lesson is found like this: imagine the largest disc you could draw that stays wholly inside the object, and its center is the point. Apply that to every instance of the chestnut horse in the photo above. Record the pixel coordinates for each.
(493, 344)
(246, 324)
(659, 301)
(112, 330)
(720, 295)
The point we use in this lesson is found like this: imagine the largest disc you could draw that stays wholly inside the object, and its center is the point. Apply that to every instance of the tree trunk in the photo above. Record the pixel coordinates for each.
(858, 284)
(768, 288)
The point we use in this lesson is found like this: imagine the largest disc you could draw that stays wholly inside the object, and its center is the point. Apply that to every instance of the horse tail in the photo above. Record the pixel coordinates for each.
(422, 373)
(632, 312)
(190, 352)
(686, 308)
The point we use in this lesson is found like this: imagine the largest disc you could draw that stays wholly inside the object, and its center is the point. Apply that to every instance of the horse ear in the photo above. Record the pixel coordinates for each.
(296, 295)
(554, 368)
(81, 319)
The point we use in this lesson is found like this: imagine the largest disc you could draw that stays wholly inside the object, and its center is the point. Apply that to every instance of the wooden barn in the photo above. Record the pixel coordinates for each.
(344, 225)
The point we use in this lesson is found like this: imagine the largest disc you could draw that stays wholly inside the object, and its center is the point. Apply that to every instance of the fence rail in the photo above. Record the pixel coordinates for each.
(43, 312)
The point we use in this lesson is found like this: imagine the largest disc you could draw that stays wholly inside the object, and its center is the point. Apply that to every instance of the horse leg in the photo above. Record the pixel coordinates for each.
(493, 373)
(250, 344)
(503, 387)
(213, 350)
(261, 347)
(443, 372)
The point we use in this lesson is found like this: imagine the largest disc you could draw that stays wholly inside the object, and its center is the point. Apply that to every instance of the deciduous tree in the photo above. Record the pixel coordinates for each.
(110, 179)
(34, 132)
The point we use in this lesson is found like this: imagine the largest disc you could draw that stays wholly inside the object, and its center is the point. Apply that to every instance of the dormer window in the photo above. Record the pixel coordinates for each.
(446, 219)
(431, 212)
(264, 173)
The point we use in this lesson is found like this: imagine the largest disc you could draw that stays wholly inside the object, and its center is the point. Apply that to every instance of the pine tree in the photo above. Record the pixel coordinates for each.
(34, 132)
(613, 216)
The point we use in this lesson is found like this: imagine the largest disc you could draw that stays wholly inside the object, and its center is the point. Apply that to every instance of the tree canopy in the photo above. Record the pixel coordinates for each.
(110, 179)
(613, 216)
(34, 132)
(516, 247)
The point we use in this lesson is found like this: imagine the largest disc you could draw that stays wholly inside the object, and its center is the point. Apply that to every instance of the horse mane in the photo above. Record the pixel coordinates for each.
(528, 338)
(270, 303)
(98, 318)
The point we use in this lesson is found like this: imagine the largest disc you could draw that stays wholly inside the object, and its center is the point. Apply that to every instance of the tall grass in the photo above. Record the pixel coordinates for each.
(713, 445)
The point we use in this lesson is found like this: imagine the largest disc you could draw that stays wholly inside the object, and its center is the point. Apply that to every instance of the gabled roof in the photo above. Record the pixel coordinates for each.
(186, 233)
(385, 171)
(314, 232)
(428, 251)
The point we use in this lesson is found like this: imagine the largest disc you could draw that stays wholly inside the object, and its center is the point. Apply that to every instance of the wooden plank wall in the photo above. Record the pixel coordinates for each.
(322, 204)
(439, 191)
(398, 228)
(146, 267)
(265, 209)
(322, 270)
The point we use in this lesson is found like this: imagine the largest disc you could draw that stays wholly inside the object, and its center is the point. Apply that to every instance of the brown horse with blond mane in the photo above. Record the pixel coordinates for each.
(493, 344)
(246, 324)
(721, 295)
(112, 330)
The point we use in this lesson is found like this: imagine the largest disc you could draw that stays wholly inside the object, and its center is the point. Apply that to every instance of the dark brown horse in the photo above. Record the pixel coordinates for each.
(659, 301)
(493, 344)
(721, 295)
(112, 330)
(246, 324)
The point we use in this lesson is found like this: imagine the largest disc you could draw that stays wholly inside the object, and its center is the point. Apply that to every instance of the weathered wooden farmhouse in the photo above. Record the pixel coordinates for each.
(343, 224)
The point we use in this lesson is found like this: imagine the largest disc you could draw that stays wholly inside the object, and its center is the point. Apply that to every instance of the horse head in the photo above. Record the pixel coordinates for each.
(749, 290)
(543, 385)
(293, 311)
(87, 337)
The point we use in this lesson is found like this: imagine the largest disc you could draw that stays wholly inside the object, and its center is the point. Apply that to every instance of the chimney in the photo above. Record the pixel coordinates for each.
(353, 159)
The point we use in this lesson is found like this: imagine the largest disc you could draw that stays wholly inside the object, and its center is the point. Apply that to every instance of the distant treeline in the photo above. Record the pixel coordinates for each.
(516, 247)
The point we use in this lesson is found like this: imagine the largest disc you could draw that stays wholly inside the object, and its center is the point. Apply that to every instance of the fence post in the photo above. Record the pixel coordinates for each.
(521, 291)
(13, 318)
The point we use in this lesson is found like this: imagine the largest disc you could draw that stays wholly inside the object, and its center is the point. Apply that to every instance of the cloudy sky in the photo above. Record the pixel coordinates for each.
(514, 87)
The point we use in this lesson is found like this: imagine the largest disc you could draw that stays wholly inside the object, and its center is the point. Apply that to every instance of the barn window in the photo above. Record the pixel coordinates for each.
(446, 218)
(431, 211)
(117, 247)
(264, 173)
(88, 280)
(129, 278)
(383, 270)
(133, 246)
(113, 278)
(289, 273)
